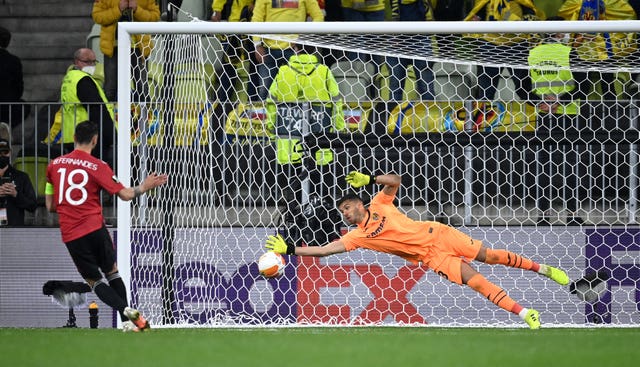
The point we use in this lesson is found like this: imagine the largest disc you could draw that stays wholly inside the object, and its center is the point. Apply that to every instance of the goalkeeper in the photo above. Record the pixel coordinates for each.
(382, 227)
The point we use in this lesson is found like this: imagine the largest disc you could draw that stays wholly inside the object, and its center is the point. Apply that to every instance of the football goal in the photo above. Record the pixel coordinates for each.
(518, 147)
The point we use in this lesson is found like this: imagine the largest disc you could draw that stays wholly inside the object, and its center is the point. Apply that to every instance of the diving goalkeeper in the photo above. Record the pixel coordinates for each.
(446, 250)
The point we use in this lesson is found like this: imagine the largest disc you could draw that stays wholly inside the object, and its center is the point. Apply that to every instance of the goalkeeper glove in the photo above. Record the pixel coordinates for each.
(357, 179)
(277, 244)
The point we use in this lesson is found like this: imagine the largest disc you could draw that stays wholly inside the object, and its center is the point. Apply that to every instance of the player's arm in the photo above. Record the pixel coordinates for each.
(278, 244)
(390, 181)
(217, 6)
(148, 13)
(152, 181)
(48, 198)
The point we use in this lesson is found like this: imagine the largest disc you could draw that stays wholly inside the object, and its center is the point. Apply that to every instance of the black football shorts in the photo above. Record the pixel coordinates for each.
(92, 252)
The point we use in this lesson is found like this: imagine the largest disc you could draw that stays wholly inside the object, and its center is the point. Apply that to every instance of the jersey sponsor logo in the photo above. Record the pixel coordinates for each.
(380, 227)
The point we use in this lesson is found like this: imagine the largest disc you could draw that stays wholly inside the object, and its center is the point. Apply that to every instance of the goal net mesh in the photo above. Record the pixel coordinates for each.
(246, 160)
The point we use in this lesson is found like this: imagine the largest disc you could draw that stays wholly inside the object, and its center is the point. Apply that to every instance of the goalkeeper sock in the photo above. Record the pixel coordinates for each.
(523, 312)
(115, 282)
(493, 293)
(508, 258)
(109, 296)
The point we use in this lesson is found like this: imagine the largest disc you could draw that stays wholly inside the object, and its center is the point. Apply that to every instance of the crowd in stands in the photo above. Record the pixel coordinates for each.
(268, 55)
(88, 93)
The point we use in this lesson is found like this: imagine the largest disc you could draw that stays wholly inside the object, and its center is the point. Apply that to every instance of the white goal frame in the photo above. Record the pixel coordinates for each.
(127, 30)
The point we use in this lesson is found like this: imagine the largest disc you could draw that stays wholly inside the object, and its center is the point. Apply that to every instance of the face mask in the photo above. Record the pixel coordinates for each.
(89, 69)
(4, 161)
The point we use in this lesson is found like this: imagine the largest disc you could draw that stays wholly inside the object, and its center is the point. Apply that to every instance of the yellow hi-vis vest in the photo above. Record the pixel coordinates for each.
(304, 79)
(73, 112)
(550, 73)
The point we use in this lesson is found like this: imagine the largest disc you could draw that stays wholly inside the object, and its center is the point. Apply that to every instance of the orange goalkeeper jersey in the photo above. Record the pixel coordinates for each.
(390, 231)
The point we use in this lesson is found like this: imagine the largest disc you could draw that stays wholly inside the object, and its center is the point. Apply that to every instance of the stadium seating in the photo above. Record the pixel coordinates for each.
(215, 52)
(197, 8)
(453, 81)
(506, 89)
(354, 79)
(36, 168)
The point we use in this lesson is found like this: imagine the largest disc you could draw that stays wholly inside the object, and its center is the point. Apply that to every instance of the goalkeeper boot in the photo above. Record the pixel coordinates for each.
(136, 317)
(532, 319)
(554, 274)
(130, 327)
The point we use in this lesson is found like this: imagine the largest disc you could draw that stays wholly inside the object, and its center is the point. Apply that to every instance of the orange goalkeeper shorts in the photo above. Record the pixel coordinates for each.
(449, 250)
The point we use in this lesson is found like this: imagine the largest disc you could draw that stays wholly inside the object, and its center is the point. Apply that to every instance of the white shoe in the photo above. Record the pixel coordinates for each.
(129, 326)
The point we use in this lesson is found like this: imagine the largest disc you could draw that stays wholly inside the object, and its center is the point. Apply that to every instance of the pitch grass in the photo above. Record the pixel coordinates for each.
(322, 347)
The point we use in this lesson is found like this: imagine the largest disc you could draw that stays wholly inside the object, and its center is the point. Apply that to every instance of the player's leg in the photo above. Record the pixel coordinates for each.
(497, 295)
(460, 272)
(116, 283)
(82, 254)
(106, 256)
(508, 258)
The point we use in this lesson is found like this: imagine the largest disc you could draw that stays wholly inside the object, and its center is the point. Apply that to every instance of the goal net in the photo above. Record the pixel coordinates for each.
(481, 143)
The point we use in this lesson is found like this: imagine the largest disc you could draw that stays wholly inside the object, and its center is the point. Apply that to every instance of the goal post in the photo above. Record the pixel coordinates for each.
(242, 166)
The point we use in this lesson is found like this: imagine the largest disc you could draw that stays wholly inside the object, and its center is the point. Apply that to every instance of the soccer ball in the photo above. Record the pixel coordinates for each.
(271, 264)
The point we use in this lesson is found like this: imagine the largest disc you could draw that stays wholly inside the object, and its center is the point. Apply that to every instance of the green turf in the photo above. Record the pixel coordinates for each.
(322, 347)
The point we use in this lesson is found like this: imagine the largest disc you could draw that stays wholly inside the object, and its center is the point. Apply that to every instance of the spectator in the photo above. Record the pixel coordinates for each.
(446, 11)
(16, 191)
(236, 47)
(332, 10)
(82, 98)
(11, 84)
(364, 11)
(413, 11)
(303, 79)
(558, 103)
(597, 50)
(239, 11)
(271, 54)
(108, 13)
(495, 47)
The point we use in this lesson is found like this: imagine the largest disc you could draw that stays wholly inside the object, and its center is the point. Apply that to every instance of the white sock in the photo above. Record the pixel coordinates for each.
(523, 313)
(543, 269)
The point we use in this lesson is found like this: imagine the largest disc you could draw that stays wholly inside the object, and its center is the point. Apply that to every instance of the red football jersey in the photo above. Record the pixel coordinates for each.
(77, 179)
